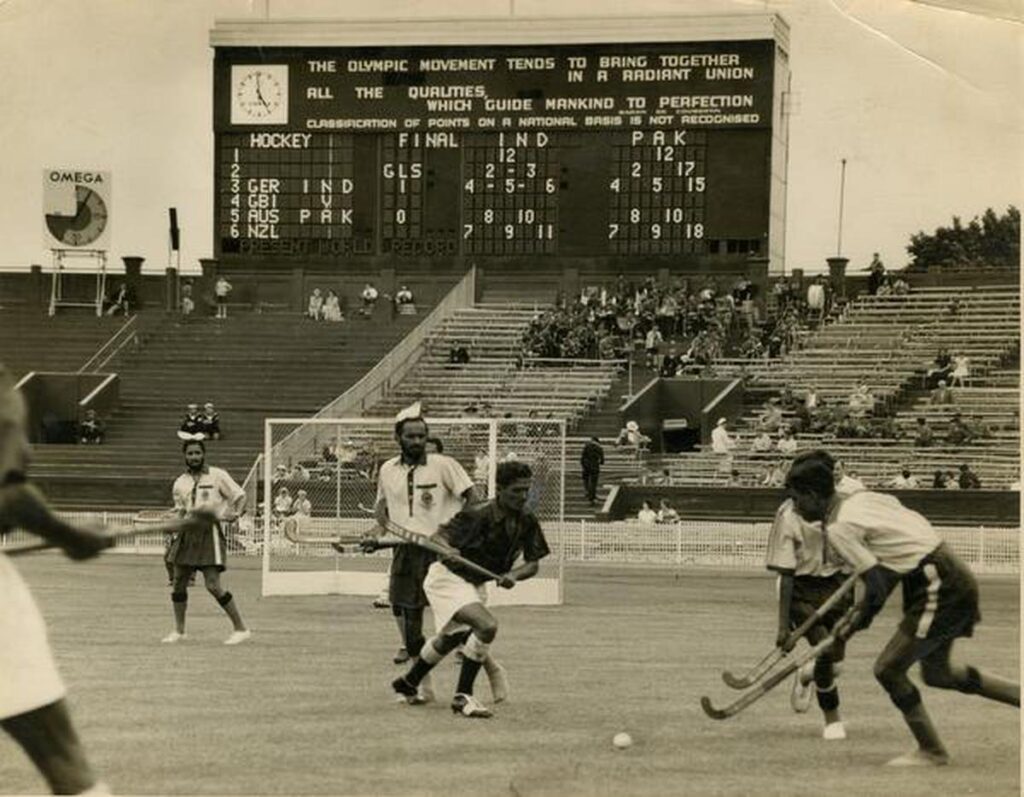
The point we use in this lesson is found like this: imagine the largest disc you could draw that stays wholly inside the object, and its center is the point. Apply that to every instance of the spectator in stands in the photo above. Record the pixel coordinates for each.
(939, 480)
(332, 308)
(188, 304)
(861, 401)
(816, 298)
(669, 364)
(315, 307)
(923, 434)
(953, 308)
(298, 473)
(302, 507)
(846, 481)
(327, 452)
(980, 429)
(192, 425)
(122, 301)
(900, 287)
(652, 345)
(369, 296)
(952, 482)
(904, 481)
(811, 400)
(221, 289)
(666, 513)
(647, 516)
(942, 394)
(961, 370)
(774, 475)
(787, 443)
(968, 479)
(941, 368)
(771, 419)
(458, 354)
(347, 453)
(876, 273)
(958, 433)
(283, 502)
(404, 302)
(734, 480)
(762, 443)
(209, 421)
(630, 435)
(591, 460)
(722, 444)
(90, 430)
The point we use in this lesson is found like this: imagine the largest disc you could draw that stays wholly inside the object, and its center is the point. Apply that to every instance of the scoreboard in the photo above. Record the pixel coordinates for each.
(588, 150)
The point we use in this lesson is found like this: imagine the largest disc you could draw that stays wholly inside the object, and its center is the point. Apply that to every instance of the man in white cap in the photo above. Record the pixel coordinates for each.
(722, 444)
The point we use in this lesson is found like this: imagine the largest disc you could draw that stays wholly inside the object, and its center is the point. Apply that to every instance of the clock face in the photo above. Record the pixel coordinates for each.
(259, 94)
(86, 225)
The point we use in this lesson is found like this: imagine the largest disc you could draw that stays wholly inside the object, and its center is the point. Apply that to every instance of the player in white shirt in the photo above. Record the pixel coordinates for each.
(889, 545)
(211, 490)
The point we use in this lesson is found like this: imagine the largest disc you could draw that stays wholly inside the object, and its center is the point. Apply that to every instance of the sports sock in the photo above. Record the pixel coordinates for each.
(920, 725)
(467, 675)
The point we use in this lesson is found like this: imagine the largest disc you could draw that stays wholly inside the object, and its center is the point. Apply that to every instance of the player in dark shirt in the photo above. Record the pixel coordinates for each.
(493, 535)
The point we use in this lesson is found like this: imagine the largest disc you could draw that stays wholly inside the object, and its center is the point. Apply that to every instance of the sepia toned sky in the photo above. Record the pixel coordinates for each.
(923, 99)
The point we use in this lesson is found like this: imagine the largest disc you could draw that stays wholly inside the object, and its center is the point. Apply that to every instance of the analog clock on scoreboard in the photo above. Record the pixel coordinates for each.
(76, 209)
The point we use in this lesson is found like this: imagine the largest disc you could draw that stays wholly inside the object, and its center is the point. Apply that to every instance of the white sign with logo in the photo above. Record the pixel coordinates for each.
(76, 209)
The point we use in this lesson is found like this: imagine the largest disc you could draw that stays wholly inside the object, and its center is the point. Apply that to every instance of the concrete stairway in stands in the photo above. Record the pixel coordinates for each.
(250, 366)
(30, 340)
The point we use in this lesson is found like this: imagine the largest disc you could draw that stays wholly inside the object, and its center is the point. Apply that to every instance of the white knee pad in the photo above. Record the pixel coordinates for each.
(475, 648)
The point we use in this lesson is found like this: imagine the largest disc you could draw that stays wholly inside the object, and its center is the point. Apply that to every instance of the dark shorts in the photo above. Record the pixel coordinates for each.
(810, 592)
(222, 300)
(408, 569)
(940, 598)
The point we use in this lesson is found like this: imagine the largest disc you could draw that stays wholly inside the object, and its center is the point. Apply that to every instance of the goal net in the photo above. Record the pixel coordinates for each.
(319, 485)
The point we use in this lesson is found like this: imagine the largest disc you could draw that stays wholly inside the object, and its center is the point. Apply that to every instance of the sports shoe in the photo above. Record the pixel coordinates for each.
(469, 706)
(498, 677)
(919, 758)
(407, 692)
(803, 688)
(401, 657)
(834, 731)
(380, 602)
(238, 637)
(173, 637)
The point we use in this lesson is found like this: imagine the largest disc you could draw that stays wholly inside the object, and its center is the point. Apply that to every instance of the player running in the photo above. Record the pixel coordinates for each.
(33, 709)
(492, 535)
(890, 545)
(209, 489)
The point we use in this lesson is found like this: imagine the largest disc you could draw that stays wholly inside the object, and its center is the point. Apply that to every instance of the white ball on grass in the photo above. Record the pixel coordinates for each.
(622, 741)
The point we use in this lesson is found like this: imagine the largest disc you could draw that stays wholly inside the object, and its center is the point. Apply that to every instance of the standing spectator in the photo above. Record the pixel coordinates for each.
(811, 399)
(192, 425)
(905, 481)
(302, 506)
(647, 516)
(332, 308)
(315, 308)
(876, 275)
(90, 430)
(404, 302)
(942, 394)
(968, 478)
(221, 289)
(652, 342)
(209, 421)
(961, 370)
(722, 444)
(369, 296)
(188, 304)
(816, 298)
(923, 434)
(591, 460)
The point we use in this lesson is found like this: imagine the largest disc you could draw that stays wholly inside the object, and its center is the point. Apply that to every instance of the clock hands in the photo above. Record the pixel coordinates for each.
(259, 93)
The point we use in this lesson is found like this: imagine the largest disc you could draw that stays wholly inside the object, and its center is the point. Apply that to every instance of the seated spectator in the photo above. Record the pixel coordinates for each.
(942, 394)
(458, 354)
(90, 430)
(811, 400)
(762, 443)
(121, 301)
(209, 421)
(905, 481)
(771, 419)
(961, 370)
(404, 302)
(980, 429)
(861, 401)
(332, 308)
(192, 425)
(346, 452)
(968, 479)
(939, 480)
(952, 482)
(647, 516)
(369, 297)
(923, 434)
(958, 433)
(787, 444)
(774, 476)
(327, 452)
(283, 502)
(787, 400)
(315, 308)
(846, 481)
(669, 365)
(280, 473)
(298, 473)
(941, 368)
(188, 304)
(302, 507)
(900, 287)
(734, 480)
(666, 514)
(953, 308)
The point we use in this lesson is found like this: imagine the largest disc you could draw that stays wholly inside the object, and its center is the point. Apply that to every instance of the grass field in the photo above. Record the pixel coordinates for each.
(305, 707)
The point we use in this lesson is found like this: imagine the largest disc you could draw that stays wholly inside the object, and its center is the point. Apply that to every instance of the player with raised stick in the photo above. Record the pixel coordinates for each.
(889, 544)
(207, 489)
(492, 536)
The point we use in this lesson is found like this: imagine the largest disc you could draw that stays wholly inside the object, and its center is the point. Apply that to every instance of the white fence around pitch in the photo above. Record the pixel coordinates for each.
(683, 544)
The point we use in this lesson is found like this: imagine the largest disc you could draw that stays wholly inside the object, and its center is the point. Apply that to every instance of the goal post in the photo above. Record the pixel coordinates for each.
(318, 485)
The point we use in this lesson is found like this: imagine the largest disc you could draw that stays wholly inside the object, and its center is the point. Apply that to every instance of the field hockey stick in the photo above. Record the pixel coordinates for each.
(195, 520)
(794, 664)
(345, 545)
(758, 671)
(369, 510)
(441, 549)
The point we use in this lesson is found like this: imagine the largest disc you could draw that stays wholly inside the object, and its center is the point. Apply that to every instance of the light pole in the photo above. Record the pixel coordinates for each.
(842, 197)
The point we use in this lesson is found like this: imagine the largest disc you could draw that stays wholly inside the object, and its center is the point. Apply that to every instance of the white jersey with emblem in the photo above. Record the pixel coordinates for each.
(422, 497)
(212, 491)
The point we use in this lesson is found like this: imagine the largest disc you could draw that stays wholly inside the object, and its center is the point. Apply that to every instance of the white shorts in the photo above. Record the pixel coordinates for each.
(28, 674)
(448, 593)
